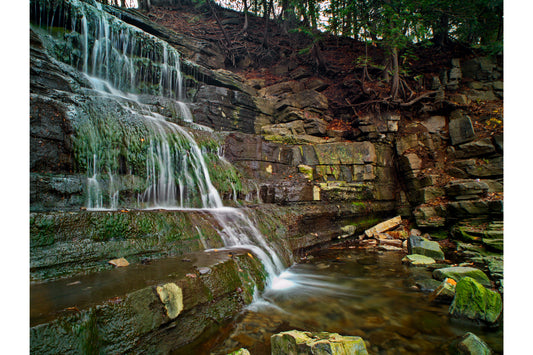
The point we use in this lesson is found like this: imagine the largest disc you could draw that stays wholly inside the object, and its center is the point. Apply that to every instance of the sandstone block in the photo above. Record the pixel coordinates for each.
(383, 226)
(172, 297)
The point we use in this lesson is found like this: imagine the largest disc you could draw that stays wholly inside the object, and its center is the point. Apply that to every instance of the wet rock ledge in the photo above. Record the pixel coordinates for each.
(152, 319)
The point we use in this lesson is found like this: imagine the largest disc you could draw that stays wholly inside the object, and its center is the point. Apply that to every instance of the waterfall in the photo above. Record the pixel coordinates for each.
(119, 132)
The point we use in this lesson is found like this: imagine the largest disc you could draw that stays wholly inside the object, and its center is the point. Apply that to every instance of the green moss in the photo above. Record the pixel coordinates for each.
(87, 331)
(440, 234)
(224, 176)
(473, 301)
(283, 139)
(42, 231)
(112, 226)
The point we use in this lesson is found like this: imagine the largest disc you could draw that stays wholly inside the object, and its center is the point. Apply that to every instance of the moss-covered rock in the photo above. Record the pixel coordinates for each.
(475, 302)
(298, 342)
(459, 272)
(422, 246)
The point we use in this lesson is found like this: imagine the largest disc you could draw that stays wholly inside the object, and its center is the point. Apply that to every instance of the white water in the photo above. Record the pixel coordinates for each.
(117, 59)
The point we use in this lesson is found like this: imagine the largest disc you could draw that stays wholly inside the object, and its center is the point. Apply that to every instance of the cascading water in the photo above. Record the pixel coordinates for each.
(120, 135)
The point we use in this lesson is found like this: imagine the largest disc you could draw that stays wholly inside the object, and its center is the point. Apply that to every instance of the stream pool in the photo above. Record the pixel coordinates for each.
(351, 292)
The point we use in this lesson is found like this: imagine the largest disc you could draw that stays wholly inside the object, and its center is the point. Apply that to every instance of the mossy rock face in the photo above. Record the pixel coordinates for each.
(459, 272)
(473, 301)
(298, 342)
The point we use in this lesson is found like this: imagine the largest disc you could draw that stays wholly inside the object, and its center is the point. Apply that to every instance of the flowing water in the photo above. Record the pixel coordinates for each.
(119, 132)
(351, 292)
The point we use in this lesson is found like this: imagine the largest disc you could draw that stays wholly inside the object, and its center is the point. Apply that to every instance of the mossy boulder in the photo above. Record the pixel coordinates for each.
(297, 342)
(475, 302)
(459, 272)
(422, 246)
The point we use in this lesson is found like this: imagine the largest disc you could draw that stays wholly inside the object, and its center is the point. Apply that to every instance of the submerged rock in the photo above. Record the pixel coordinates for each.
(475, 302)
(298, 342)
(471, 344)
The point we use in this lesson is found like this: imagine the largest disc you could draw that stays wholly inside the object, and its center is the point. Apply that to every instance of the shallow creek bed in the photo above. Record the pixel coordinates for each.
(349, 291)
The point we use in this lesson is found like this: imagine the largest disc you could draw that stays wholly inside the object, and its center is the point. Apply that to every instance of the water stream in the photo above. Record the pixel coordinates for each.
(351, 292)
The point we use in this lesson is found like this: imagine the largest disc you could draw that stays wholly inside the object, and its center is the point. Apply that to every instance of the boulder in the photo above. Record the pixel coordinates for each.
(481, 68)
(460, 128)
(475, 302)
(460, 99)
(465, 189)
(241, 351)
(471, 344)
(284, 129)
(459, 272)
(476, 148)
(445, 292)
(383, 226)
(422, 246)
(418, 260)
(431, 193)
(430, 216)
(493, 244)
(474, 208)
(410, 164)
(315, 126)
(435, 124)
(299, 342)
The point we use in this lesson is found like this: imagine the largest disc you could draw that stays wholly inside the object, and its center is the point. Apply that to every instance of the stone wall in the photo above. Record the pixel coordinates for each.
(337, 171)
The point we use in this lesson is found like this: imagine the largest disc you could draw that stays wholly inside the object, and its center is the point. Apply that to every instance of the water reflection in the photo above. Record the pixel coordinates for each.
(369, 294)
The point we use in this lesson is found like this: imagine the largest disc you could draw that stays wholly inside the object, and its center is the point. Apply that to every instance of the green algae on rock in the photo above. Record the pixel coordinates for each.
(475, 302)
(297, 342)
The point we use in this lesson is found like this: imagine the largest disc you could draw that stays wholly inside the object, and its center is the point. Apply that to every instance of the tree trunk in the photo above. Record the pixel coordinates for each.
(267, 22)
(245, 27)
(440, 37)
(320, 61)
(145, 5)
(395, 73)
